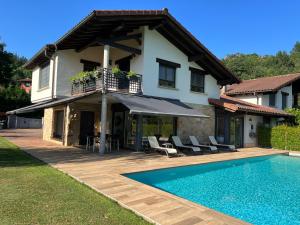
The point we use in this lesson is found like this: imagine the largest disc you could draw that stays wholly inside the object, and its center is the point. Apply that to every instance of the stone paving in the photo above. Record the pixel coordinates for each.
(104, 174)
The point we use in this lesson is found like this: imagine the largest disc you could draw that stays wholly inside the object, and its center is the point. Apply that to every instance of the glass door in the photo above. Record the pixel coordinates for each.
(130, 133)
(236, 131)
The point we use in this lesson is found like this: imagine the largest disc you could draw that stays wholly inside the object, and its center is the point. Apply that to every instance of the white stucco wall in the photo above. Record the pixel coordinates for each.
(263, 99)
(248, 121)
(249, 98)
(156, 46)
(43, 94)
(153, 46)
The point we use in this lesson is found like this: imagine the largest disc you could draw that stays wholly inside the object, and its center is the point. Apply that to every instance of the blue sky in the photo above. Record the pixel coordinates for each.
(223, 26)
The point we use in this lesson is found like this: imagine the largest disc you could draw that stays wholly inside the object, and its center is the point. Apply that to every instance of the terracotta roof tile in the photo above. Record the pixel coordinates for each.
(233, 104)
(264, 84)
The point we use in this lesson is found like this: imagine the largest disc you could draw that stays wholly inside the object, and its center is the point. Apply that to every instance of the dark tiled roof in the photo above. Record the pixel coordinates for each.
(101, 23)
(260, 85)
(233, 105)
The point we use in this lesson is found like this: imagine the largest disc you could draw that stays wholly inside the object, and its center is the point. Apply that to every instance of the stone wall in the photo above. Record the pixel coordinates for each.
(72, 126)
(199, 127)
(48, 124)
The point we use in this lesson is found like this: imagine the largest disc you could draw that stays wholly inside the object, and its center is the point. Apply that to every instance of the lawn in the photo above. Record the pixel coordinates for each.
(32, 192)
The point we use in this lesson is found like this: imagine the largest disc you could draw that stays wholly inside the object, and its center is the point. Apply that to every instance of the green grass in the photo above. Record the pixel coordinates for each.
(31, 192)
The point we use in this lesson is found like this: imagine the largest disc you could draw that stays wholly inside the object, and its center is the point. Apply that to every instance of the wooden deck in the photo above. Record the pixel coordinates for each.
(103, 174)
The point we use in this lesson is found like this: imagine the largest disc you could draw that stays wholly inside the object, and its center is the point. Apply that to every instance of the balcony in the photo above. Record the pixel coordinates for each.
(119, 81)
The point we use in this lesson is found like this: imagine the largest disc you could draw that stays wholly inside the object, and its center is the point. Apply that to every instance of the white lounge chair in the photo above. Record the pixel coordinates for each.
(195, 143)
(222, 146)
(177, 142)
(154, 145)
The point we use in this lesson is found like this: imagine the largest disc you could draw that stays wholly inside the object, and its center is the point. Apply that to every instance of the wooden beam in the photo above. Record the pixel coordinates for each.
(126, 48)
(118, 28)
(125, 37)
(156, 26)
(110, 41)
(196, 57)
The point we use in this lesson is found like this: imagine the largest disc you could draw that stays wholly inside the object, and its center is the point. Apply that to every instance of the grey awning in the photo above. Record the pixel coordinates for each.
(49, 103)
(149, 105)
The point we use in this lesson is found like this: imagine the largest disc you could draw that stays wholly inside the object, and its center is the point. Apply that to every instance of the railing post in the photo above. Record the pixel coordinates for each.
(104, 100)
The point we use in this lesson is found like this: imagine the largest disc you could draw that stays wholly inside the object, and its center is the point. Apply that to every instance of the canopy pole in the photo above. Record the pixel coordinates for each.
(104, 100)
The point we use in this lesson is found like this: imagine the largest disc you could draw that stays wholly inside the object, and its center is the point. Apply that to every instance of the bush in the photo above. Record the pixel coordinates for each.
(296, 113)
(286, 137)
(264, 136)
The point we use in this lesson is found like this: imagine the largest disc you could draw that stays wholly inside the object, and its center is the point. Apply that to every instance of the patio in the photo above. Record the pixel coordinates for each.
(103, 174)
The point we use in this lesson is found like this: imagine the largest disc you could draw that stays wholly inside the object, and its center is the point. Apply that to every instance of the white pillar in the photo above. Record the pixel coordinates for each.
(104, 100)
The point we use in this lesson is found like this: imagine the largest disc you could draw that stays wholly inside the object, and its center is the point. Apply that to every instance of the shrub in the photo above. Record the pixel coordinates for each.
(296, 113)
(264, 136)
(286, 137)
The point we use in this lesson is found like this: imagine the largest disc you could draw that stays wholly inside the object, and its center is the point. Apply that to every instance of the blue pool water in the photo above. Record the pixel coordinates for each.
(261, 190)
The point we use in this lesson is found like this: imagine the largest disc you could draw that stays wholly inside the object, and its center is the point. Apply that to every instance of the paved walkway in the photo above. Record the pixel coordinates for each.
(103, 174)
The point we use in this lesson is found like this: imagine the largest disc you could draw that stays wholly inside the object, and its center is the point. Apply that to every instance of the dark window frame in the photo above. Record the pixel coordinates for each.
(166, 66)
(284, 100)
(89, 65)
(200, 86)
(43, 85)
(272, 101)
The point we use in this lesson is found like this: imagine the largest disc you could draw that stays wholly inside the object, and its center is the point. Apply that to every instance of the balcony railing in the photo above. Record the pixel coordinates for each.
(119, 82)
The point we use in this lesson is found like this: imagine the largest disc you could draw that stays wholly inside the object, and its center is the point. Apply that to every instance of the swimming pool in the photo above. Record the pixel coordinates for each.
(260, 190)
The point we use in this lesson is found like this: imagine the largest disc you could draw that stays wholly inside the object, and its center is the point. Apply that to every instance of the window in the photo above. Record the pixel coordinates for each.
(161, 127)
(296, 100)
(284, 99)
(167, 73)
(44, 75)
(197, 80)
(272, 99)
(58, 124)
(89, 65)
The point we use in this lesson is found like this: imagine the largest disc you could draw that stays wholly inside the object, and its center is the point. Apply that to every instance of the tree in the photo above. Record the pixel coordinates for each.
(250, 66)
(11, 67)
(295, 56)
(13, 97)
(11, 70)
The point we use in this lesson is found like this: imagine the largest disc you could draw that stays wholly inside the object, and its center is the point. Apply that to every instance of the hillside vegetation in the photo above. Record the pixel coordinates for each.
(250, 66)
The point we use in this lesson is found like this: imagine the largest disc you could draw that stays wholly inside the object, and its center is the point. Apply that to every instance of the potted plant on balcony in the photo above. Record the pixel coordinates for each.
(116, 72)
(134, 82)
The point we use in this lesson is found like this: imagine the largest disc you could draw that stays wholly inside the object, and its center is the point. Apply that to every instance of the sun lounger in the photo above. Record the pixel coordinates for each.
(177, 142)
(154, 145)
(221, 146)
(195, 143)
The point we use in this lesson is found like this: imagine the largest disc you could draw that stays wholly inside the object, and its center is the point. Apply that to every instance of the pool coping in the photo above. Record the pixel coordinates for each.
(216, 217)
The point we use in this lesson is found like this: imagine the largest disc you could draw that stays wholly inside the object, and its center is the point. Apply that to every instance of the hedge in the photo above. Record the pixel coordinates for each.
(264, 136)
(286, 137)
(279, 137)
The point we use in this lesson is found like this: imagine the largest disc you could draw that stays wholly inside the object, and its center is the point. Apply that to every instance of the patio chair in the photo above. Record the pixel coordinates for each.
(214, 142)
(194, 141)
(154, 145)
(177, 142)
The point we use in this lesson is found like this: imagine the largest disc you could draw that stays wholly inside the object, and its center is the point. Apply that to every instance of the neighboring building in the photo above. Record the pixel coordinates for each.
(25, 84)
(168, 95)
(237, 120)
(278, 91)
(263, 98)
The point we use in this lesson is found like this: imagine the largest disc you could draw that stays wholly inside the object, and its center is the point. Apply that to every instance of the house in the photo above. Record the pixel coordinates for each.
(25, 84)
(146, 75)
(237, 120)
(257, 101)
(278, 91)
